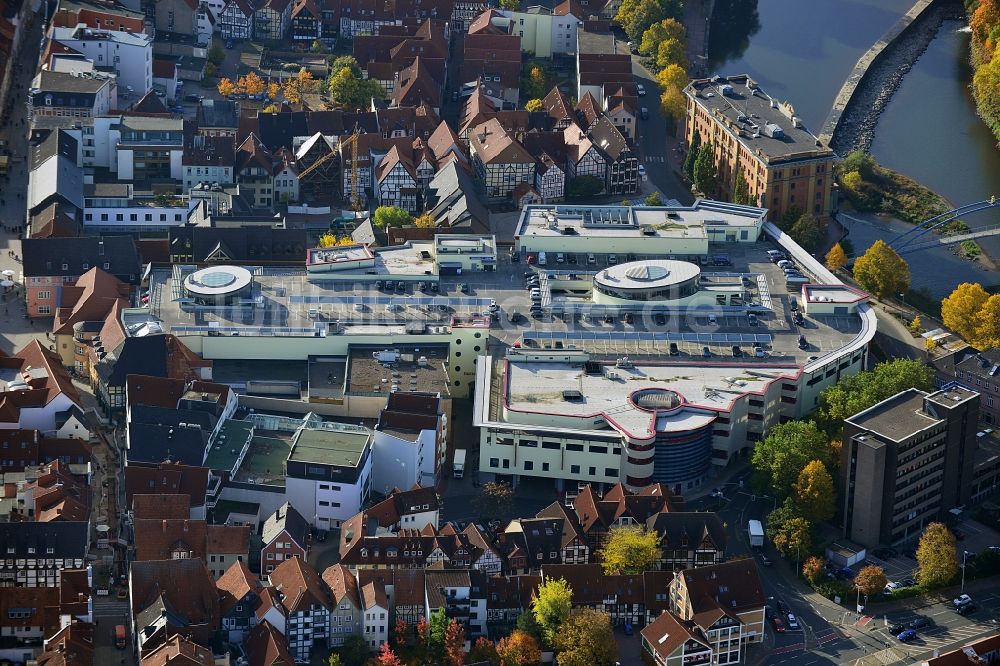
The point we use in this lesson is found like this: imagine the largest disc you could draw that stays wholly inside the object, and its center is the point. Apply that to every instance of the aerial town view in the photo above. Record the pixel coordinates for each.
(499, 332)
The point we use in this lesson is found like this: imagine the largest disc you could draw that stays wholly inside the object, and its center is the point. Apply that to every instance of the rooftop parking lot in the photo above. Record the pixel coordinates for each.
(289, 298)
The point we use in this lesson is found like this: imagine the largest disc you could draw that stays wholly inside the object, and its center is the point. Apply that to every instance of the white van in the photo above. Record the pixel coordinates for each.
(541, 258)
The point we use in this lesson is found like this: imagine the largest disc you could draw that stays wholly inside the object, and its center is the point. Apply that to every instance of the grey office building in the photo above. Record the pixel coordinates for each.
(906, 462)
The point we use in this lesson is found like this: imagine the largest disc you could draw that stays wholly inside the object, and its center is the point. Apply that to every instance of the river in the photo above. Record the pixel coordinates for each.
(803, 51)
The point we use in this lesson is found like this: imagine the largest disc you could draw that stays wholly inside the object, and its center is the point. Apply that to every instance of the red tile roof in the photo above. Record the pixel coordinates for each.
(265, 646)
(235, 584)
(166, 477)
(300, 586)
(179, 651)
(91, 298)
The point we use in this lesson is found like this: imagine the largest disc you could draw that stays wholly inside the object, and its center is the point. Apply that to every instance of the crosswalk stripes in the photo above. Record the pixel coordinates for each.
(109, 606)
(656, 158)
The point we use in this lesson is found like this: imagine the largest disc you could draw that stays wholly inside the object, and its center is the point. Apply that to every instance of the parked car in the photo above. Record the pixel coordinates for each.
(765, 561)
(779, 626)
(803, 343)
(229, 43)
(642, 171)
(799, 319)
(752, 318)
(628, 629)
(612, 259)
(792, 622)
(896, 628)
(966, 609)
(906, 636)
(785, 263)
(641, 89)
(961, 600)
(463, 287)
(920, 623)
(775, 256)
(782, 607)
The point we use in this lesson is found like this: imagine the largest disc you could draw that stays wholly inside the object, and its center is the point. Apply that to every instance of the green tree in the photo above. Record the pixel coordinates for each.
(671, 52)
(582, 187)
(861, 162)
(438, 628)
(653, 199)
(216, 55)
(348, 61)
(527, 623)
(630, 549)
(789, 218)
(519, 649)
(808, 232)
(794, 538)
(705, 170)
(781, 457)
(533, 105)
(870, 580)
(391, 216)
(881, 271)
(551, 606)
(836, 258)
(351, 92)
(916, 326)
(814, 493)
(354, 651)
(495, 500)
(659, 32)
(776, 519)
(587, 639)
(692, 156)
(484, 650)
(937, 559)
(636, 16)
(317, 46)
(856, 393)
(625, 203)
(334, 660)
(741, 191)
(511, 5)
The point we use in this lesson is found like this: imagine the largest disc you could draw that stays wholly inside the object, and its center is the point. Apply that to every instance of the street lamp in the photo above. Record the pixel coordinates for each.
(965, 557)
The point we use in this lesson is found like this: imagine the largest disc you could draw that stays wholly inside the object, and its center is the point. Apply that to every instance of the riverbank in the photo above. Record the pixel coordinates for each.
(872, 188)
(855, 127)
(983, 56)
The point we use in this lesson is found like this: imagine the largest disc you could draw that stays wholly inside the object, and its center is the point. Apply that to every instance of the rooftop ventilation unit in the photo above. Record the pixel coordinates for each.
(774, 131)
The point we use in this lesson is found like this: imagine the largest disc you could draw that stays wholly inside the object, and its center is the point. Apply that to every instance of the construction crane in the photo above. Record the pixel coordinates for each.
(353, 142)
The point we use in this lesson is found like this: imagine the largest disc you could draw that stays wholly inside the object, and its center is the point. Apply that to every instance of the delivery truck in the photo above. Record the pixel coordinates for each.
(459, 466)
(756, 533)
